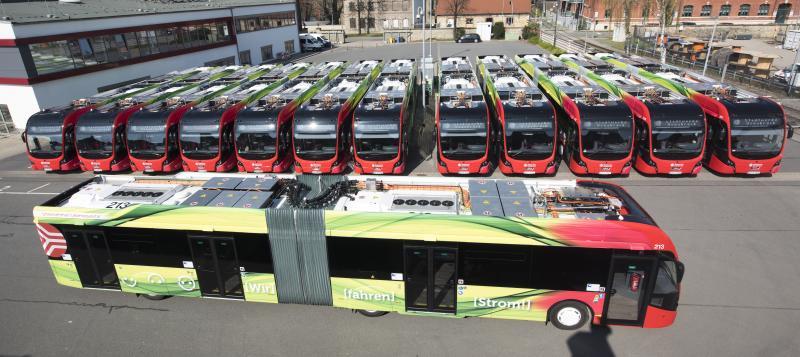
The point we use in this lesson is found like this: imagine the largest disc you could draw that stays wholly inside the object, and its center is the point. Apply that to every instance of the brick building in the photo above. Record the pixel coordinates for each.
(384, 15)
(514, 13)
(692, 11)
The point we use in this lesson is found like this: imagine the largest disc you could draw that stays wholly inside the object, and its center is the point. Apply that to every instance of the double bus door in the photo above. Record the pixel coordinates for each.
(89, 251)
(629, 282)
(430, 279)
(217, 267)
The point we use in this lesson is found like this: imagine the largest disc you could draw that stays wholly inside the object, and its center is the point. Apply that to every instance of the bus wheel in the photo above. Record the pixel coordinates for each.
(372, 313)
(569, 315)
(154, 297)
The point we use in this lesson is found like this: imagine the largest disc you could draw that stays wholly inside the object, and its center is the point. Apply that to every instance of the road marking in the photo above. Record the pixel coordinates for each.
(42, 186)
(6, 187)
(29, 193)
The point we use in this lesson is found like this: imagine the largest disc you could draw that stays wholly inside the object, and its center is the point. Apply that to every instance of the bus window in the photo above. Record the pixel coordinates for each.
(254, 253)
(569, 268)
(95, 141)
(665, 293)
(494, 265)
(151, 247)
(365, 258)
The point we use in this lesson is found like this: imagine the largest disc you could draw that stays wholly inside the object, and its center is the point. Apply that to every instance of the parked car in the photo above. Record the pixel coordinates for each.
(470, 37)
(784, 75)
(310, 44)
(325, 42)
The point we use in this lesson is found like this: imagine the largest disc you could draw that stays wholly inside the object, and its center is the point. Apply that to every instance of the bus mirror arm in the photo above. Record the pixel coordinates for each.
(790, 133)
(680, 268)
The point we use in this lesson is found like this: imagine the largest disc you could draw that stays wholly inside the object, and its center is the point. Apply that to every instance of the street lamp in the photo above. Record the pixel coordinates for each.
(556, 8)
(710, 40)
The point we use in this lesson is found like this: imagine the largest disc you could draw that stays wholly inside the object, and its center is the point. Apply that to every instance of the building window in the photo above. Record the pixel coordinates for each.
(244, 57)
(288, 47)
(607, 13)
(371, 22)
(264, 21)
(405, 22)
(80, 52)
(509, 20)
(763, 10)
(396, 23)
(725, 10)
(687, 11)
(489, 20)
(705, 10)
(386, 24)
(744, 10)
(352, 23)
(351, 6)
(266, 53)
(469, 21)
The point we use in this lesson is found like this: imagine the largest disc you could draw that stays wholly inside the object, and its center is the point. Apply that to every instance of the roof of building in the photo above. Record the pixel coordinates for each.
(46, 11)
(484, 7)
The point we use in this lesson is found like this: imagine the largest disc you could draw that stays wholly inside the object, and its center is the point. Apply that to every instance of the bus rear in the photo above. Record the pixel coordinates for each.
(383, 120)
(525, 119)
(322, 131)
(463, 126)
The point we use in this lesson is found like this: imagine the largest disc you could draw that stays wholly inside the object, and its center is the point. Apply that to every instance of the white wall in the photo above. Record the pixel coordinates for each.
(62, 91)
(6, 30)
(253, 41)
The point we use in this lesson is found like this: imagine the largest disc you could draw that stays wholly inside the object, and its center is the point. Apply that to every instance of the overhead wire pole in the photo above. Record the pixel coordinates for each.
(423, 66)
(710, 40)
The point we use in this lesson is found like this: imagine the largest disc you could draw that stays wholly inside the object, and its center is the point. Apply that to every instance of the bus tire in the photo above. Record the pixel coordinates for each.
(569, 315)
(154, 297)
(372, 313)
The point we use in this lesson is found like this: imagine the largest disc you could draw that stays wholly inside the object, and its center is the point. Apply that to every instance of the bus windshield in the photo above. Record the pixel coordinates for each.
(256, 141)
(607, 135)
(463, 147)
(529, 138)
(200, 142)
(677, 131)
(315, 135)
(146, 141)
(45, 142)
(378, 148)
(757, 129)
(95, 141)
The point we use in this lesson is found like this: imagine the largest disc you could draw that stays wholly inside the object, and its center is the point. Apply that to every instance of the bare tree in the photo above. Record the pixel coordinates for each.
(611, 7)
(456, 8)
(647, 7)
(627, 9)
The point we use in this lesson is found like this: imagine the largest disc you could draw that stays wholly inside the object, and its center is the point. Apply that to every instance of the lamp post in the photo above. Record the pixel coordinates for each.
(586, 41)
(557, 9)
(710, 40)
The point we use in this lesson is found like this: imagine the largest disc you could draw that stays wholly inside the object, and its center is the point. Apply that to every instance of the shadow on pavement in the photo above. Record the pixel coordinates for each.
(591, 343)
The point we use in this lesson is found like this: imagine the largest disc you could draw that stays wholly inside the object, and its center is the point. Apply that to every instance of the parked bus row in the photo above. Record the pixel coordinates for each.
(600, 114)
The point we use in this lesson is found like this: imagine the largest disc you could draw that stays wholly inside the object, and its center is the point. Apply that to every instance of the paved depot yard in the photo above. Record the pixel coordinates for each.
(739, 239)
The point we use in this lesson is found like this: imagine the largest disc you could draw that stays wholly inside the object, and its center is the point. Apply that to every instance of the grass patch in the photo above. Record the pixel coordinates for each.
(535, 40)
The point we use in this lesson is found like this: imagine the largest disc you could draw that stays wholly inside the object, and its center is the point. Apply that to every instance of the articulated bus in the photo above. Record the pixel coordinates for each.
(463, 124)
(670, 129)
(206, 128)
(525, 120)
(50, 134)
(563, 252)
(596, 125)
(100, 132)
(263, 130)
(746, 134)
(322, 126)
(383, 120)
(152, 132)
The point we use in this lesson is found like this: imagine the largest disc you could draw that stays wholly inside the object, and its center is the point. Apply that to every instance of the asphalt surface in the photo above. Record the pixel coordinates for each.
(739, 239)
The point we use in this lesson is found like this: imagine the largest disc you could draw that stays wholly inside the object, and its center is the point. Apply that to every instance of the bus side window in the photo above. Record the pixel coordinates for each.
(225, 142)
(120, 150)
(69, 143)
(284, 140)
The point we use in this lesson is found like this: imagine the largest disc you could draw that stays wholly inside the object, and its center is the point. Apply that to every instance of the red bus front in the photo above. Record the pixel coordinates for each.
(263, 142)
(529, 140)
(321, 140)
(747, 138)
(670, 139)
(599, 139)
(49, 137)
(100, 140)
(463, 140)
(379, 141)
(152, 139)
(206, 140)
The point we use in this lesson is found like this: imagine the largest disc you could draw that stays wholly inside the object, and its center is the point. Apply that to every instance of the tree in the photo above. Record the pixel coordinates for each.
(647, 6)
(456, 8)
(611, 6)
(499, 30)
(627, 9)
(368, 8)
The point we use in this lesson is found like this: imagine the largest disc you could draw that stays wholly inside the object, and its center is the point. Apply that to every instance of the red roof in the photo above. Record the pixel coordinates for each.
(486, 7)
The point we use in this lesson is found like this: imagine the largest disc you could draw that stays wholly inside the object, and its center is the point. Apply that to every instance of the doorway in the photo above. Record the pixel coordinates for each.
(89, 252)
(782, 13)
(430, 275)
(217, 267)
(628, 285)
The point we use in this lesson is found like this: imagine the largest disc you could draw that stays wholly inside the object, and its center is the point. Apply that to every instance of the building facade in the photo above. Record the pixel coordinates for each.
(50, 57)
(513, 13)
(605, 15)
(377, 15)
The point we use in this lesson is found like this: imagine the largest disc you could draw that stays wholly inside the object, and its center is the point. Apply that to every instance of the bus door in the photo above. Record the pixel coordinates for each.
(628, 289)
(430, 275)
(217, 267)
(89, 251)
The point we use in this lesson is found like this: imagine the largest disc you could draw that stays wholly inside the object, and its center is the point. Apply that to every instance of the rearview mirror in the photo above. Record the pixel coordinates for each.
(791, 132)
(680, 270)
(24, 136)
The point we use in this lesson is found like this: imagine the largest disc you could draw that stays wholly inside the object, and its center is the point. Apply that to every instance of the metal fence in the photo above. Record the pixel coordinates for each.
(717, 69)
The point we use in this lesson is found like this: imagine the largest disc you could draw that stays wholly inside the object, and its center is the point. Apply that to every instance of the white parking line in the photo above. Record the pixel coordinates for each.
(29, 193)
(42, 186)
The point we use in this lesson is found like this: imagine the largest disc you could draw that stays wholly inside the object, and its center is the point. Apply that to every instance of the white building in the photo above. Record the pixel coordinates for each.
(52, 52)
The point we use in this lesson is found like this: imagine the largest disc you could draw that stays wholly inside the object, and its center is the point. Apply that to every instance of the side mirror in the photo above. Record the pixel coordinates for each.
(24, 136)
(790, 133)
(680, 268)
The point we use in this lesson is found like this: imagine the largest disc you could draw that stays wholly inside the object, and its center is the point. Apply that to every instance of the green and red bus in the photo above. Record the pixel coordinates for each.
(564, 252)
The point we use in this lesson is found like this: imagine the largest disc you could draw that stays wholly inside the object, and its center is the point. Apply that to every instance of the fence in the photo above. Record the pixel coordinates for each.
(718, 68)
(6, 125)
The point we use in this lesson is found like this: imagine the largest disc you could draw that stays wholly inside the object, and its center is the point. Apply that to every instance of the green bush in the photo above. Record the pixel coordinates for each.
(499, 31)
(530, 30)
(458, 33)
